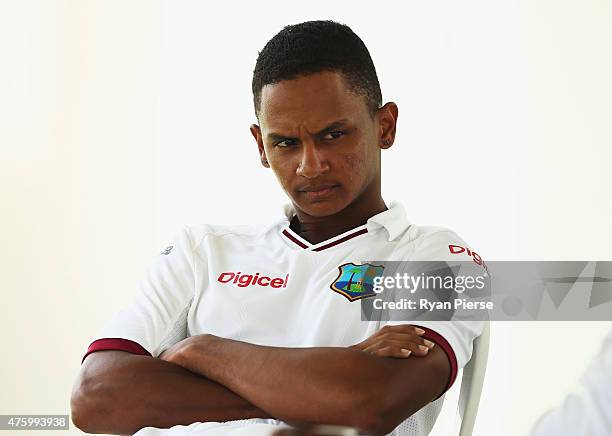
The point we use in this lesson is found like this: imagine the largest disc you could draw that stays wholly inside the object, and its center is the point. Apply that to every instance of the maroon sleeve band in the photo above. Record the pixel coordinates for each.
(443, 343)
(116, 344)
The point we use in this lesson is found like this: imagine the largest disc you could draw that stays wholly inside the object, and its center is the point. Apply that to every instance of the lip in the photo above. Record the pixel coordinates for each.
(317, 187)
(318, 192)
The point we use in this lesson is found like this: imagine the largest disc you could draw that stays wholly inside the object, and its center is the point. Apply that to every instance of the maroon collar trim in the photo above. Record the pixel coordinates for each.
(341, 240)
(292, 238)
(345, 238)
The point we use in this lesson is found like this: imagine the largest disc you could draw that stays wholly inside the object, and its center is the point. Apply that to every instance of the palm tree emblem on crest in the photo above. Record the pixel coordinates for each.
(356, 281)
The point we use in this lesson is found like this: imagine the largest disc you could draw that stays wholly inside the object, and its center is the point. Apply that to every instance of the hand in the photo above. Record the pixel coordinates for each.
(178, 352)
(171, 354)
(396, 341)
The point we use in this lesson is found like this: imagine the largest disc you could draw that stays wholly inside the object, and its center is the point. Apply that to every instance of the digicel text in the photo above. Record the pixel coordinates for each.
(244, 280)
(458, 249)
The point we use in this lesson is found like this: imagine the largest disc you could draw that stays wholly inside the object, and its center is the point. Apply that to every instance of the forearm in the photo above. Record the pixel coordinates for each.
(330, 385)
(120, 394)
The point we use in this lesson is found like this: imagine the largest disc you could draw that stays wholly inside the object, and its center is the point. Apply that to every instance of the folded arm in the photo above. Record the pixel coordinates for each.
(330, 385)
(119, 393)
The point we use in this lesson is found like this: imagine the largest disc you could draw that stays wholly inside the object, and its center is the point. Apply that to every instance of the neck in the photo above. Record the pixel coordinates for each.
(317, 229)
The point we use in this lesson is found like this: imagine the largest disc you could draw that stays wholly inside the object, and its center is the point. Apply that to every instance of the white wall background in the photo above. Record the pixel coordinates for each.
(122, 120)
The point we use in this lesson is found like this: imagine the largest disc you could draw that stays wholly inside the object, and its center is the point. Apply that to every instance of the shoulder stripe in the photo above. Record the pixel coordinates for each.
(115, 344)
(446, 347)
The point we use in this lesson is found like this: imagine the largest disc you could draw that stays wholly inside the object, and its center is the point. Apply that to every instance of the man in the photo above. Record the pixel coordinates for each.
(242, 328)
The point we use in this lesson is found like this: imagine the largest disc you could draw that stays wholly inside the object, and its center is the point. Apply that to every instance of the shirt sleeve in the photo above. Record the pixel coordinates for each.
(454, 337)
(157, 315)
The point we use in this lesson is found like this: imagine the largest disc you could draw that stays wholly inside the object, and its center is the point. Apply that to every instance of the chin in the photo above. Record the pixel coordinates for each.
(321, 208)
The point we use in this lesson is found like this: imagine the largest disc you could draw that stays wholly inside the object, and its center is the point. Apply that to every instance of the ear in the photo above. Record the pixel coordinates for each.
(387, 120)
(256, 132)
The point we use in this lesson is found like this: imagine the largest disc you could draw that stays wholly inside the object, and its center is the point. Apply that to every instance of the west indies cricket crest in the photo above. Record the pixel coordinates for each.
(356, 281)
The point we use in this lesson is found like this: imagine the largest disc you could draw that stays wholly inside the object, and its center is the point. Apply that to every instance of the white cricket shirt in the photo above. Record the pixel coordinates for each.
(268, 286)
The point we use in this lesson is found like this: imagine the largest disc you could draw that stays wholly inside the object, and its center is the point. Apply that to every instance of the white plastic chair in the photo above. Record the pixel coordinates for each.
(472, 381)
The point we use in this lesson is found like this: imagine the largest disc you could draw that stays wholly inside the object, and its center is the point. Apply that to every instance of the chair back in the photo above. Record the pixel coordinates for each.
(472, 381)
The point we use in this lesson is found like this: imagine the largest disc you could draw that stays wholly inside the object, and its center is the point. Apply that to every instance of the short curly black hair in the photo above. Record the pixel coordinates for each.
(312, 47)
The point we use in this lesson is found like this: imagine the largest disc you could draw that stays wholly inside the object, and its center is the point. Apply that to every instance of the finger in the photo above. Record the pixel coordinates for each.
(408, 338)
(394, 329)
(415, 348)
(407, 333)
(392, 351)
(397, 345)
(402, 328)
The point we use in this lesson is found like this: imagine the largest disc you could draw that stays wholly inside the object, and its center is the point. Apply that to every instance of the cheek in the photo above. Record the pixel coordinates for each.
(351, 162)
(282, 171)
(353, 166)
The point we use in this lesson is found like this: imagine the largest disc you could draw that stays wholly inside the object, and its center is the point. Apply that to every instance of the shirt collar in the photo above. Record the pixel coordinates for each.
(394, 219)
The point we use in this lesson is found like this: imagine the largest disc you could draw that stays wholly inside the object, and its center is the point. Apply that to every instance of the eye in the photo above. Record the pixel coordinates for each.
(285, 143)
(333, 135)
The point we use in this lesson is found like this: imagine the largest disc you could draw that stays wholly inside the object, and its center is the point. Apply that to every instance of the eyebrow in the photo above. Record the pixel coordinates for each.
(273, 136)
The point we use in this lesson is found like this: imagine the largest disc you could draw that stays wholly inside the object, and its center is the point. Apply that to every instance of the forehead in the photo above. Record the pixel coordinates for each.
(312, 100)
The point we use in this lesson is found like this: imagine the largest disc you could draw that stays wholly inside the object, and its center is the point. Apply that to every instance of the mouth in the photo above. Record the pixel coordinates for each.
(318, 192)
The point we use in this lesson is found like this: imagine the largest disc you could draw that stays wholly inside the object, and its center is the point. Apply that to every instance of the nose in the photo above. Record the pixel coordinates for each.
(312, 162)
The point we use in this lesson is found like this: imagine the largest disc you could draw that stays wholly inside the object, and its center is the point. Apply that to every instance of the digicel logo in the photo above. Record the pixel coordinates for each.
(244, 280)
(458, 249)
